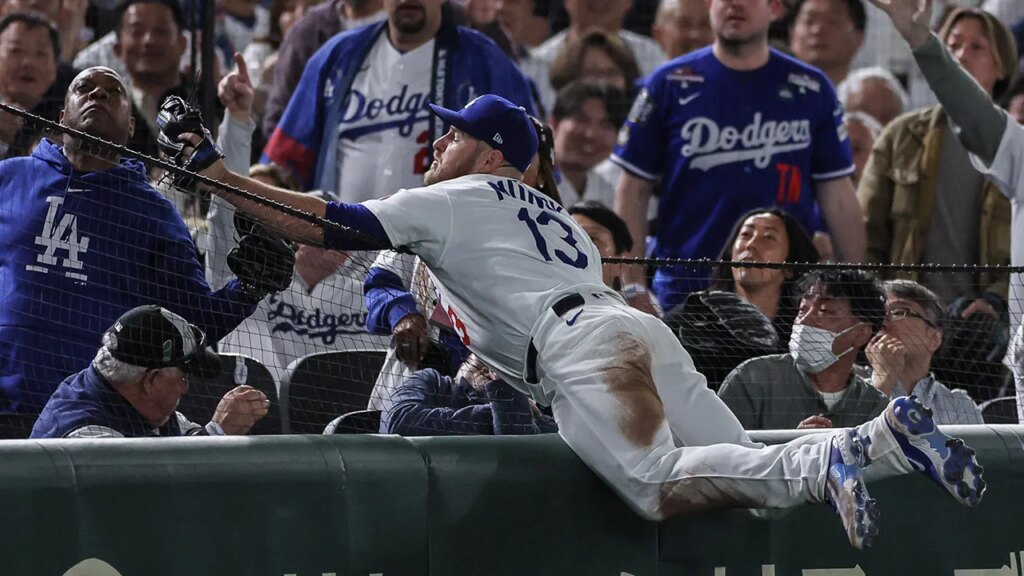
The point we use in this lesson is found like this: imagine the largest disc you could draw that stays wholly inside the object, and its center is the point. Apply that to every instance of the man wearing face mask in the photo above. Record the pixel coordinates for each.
(814, 386)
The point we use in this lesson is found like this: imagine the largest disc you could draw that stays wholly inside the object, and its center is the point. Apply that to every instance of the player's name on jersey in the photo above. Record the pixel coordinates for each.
(313, 324)
(403, 105)
(511, 188)
(711, 145)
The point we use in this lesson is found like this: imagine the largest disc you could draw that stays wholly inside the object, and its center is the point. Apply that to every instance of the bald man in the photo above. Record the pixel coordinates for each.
(85, 239)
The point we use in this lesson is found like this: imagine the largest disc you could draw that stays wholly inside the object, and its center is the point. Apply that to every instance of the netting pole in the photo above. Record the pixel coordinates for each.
(208, 83)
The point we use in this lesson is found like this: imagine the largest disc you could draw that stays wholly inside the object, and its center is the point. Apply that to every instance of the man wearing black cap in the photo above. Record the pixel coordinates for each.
(522, 284)
(133, 386)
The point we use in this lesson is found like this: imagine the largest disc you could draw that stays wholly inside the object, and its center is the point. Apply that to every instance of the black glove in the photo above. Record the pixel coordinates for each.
(177, 117)
(263, 263)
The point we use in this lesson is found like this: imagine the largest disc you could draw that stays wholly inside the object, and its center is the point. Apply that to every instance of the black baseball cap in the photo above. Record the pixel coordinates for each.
(499, 123)
(154, 337)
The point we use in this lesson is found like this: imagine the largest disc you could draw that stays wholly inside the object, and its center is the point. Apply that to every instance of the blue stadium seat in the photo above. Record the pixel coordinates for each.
(236, 369)
(319, 387)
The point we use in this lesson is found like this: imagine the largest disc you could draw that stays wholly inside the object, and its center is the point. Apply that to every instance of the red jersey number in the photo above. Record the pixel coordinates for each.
(459, 325)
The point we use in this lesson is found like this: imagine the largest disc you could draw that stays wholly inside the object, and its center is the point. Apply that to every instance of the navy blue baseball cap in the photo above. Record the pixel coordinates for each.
(499, 123)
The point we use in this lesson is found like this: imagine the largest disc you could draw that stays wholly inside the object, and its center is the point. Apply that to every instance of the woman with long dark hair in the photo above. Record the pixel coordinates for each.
(747, 311)
(765, 235)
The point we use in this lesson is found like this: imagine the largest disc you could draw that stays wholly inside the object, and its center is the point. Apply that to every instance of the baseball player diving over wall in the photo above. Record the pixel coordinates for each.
(623, 391)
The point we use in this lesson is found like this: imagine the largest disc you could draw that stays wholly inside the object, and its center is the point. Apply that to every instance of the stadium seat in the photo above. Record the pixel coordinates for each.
(319, 387)
(1000, 410)
(204, 395)
(16, 426)
(358, 422)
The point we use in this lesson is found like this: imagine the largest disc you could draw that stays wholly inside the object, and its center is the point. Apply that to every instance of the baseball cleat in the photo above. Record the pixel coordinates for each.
(944, 459)
(846, 491)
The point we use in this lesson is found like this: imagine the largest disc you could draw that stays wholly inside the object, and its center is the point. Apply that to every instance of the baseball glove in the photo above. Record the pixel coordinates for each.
(263, 264)
(177, 117)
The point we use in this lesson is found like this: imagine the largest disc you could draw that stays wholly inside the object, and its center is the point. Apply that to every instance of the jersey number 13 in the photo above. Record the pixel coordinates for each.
(549, 222)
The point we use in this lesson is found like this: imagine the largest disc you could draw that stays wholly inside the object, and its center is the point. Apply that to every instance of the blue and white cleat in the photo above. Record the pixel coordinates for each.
(944, 459)
(845, 489)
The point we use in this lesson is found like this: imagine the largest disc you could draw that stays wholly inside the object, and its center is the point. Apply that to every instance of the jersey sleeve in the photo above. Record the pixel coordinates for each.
(419, 219)
(1007, 169)
(642, 140)
(831, 157)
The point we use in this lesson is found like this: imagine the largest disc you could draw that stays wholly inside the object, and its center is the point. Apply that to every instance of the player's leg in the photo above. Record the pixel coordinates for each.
(905, 435)
(696, 415)
(610, 413)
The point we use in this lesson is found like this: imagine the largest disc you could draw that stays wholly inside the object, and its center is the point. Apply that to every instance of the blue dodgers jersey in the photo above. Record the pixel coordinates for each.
(725, 142)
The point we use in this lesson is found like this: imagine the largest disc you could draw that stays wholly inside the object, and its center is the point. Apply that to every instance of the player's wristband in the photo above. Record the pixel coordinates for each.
(633, 289)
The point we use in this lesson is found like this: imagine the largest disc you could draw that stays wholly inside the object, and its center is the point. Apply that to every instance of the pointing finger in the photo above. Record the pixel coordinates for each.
(243, 70)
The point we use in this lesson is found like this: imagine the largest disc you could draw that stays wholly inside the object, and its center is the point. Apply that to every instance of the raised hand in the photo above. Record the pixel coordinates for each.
(236, 92)
(910, 17)
(887, 356)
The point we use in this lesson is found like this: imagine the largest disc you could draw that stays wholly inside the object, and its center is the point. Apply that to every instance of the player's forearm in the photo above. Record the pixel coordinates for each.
(631, 198)
(288, 226)
(981, 123)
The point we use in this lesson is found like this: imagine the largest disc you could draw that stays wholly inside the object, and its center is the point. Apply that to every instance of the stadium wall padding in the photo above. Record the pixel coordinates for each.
(389, 506)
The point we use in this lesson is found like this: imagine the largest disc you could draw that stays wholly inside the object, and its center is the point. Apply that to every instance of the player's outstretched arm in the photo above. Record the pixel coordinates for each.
(290, 227)
(980, 121)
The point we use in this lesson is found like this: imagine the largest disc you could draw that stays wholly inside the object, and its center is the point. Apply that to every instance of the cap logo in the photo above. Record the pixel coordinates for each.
(497, 138)
(168, 350)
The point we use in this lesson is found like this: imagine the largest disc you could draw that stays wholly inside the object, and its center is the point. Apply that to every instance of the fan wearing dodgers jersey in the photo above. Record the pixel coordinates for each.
(522, 284)
(729, 128)
(322, 310)
(358, 123)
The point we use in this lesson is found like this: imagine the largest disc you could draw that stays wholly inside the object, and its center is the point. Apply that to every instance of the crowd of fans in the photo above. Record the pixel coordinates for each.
(330, 96)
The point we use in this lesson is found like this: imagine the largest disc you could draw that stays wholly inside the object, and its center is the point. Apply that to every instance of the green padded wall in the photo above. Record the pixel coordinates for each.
(381, 505)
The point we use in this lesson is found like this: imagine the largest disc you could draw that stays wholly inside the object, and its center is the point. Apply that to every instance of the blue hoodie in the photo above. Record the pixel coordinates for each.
(77, 250)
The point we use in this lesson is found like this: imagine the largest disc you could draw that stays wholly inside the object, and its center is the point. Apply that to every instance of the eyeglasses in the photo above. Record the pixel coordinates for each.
(896, 314)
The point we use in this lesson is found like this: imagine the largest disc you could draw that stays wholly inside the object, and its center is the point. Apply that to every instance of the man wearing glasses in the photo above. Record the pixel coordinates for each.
(901, 353)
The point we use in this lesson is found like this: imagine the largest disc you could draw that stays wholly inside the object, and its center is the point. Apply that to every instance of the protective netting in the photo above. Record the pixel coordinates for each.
(781, 344)
(359, 341)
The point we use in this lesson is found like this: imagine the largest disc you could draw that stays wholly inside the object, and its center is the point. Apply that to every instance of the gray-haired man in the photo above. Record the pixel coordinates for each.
(133, 386)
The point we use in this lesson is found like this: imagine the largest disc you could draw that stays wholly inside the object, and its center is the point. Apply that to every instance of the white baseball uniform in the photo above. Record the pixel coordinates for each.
(384, 140)
(1007, 171)
(516, 273)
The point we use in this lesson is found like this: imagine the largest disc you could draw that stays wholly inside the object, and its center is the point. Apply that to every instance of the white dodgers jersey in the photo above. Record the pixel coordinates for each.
(384, 141)
(500, 253)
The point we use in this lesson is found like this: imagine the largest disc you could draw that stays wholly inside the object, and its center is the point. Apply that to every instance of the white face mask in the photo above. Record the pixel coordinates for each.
(811, 347)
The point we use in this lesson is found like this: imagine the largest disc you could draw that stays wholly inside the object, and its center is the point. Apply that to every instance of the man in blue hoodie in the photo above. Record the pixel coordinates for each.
(84, 238)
